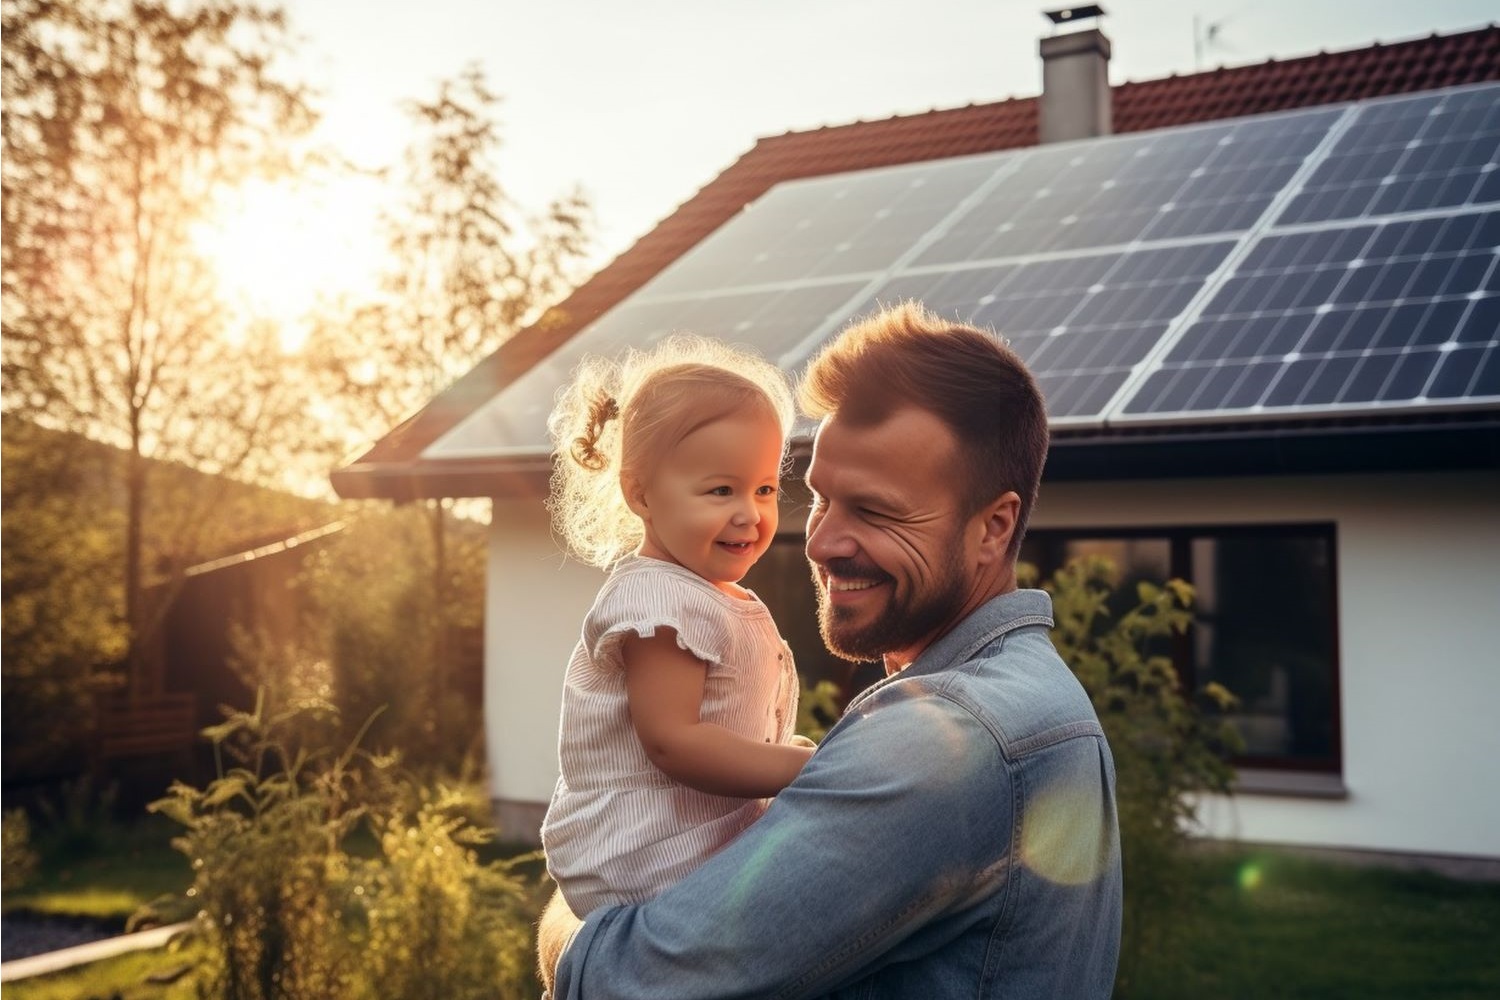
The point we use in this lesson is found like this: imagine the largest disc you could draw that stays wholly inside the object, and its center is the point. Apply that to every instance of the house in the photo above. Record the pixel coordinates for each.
(1263, 304)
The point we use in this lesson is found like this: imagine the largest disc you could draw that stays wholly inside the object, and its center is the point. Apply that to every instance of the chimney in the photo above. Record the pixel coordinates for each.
(1075, 102)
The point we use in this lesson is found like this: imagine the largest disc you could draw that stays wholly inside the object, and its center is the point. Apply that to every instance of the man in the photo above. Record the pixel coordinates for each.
(955, 834)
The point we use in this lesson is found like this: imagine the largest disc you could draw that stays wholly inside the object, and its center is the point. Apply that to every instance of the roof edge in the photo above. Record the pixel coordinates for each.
(1137, 453)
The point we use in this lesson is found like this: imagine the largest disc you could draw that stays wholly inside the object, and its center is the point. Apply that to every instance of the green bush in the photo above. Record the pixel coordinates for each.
(1169, 745)
(18, 860)
(442, 925)
(377, 626)
(287, 905)
(817, 710)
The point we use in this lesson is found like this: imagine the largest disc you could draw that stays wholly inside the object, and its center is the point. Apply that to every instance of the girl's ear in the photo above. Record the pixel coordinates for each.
(635, 495)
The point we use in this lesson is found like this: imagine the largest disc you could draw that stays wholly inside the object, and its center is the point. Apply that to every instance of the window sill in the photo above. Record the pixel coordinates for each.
(1296, 784)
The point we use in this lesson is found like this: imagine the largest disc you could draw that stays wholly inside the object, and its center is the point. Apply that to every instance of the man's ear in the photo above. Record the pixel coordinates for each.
(996, 525)
(635, 495)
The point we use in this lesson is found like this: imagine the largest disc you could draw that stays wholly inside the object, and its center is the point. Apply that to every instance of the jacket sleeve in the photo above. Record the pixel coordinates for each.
(904, 814)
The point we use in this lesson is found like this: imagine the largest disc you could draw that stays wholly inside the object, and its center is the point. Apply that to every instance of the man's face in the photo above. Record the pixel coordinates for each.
(887, 537)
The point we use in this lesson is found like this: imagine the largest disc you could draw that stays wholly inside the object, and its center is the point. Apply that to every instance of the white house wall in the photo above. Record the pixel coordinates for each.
(1419, 647)
(535, 601)
(1419, 644)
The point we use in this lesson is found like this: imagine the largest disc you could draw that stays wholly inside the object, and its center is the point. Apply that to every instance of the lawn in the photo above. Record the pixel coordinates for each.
(1268, 925)
(106, 875)
(126, 977)
(1276, 925)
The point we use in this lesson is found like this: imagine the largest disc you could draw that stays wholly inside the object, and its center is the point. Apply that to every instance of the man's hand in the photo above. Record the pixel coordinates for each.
(553, 932)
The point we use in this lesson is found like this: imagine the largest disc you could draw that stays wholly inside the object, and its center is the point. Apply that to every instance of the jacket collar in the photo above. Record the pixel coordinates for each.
(997, 616)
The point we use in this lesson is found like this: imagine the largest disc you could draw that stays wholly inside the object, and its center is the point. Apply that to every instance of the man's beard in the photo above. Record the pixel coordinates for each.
(905, 620)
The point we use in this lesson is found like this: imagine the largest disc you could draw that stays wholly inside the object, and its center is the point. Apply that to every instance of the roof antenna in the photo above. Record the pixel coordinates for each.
(1208, 35)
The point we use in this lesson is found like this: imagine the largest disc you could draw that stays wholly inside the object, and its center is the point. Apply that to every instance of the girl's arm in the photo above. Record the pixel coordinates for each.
(664, 683)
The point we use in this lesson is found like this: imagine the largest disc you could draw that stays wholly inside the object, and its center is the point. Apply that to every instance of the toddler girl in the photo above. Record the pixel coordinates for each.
(680, 698)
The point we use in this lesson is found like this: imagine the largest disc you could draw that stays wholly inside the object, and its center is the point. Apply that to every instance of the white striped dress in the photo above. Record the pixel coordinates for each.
(618, 829)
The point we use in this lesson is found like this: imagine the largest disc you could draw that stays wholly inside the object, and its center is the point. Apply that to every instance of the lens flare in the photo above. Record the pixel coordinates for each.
(1062, 835)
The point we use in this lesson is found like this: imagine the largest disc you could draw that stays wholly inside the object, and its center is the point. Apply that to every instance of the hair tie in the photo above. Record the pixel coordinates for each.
(586, 451)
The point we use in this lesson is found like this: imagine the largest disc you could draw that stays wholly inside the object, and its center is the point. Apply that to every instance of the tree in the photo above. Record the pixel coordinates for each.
(466, 273)
(124, 122)
(61, 621)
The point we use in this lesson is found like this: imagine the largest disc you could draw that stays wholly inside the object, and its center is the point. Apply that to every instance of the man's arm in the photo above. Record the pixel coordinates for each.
(898, 819)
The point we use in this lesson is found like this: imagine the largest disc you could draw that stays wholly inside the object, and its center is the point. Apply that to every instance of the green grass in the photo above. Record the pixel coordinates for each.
(108, 878)
(1275, 925)
(1267, 925)
(125, 977)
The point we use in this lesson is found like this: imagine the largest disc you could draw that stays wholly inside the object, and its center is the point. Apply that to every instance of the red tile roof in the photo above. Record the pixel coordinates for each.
(392, 468)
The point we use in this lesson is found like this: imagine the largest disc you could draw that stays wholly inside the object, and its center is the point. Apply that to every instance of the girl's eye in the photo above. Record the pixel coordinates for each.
(766, 491)
(721, 491)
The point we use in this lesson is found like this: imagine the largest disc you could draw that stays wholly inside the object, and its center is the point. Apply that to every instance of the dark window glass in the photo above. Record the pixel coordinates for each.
(1263, 628)
(1264, 624)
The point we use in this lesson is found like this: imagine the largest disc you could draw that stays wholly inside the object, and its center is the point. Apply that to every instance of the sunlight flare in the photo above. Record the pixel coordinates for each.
(280, 248)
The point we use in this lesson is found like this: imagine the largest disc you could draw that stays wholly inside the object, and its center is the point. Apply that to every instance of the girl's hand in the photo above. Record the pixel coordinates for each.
(798, 740)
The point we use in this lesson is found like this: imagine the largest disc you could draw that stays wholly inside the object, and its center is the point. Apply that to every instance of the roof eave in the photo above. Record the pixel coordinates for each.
(403, 482)
(1470, 441)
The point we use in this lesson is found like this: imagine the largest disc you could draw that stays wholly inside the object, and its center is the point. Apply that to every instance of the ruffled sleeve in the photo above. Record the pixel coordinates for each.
(645, 599)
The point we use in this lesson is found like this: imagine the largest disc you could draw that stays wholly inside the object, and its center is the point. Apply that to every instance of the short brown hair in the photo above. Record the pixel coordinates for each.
(967, 378)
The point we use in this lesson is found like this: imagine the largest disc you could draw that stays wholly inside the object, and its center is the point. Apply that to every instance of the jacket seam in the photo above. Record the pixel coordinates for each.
(874, 934)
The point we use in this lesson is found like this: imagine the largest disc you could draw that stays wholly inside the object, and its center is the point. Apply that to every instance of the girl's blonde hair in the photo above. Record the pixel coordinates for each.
(618, 416)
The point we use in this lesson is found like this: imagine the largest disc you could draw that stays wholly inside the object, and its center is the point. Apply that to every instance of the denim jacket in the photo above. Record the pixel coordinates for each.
(954, 835)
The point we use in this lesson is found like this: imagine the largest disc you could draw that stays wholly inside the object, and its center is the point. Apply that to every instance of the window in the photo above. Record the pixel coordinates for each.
(1264, 624)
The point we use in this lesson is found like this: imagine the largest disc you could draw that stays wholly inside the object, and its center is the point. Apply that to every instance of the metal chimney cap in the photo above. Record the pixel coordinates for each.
(1070, 14)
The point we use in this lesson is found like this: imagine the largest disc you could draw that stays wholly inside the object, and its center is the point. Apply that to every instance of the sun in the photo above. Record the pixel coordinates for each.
(279, 248)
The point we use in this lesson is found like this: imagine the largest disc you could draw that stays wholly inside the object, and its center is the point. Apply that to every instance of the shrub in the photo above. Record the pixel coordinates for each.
(818, 709)
(77, 817)
(288, 907)
(18, 860)
(377, 626)
(1169, 746)
(264, 842)
(443, 925)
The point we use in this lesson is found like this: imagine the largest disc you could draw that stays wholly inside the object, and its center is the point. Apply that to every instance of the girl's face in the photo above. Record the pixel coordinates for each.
(709, 505)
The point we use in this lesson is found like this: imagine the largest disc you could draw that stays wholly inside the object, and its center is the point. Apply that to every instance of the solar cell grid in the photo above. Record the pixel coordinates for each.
(770, 320)
(1407, 155)
(826, 227)
(1081, 323)
(1398, 313)
(1160, 186)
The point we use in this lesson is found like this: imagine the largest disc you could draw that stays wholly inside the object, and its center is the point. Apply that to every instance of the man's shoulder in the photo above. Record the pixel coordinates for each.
(1016, 686)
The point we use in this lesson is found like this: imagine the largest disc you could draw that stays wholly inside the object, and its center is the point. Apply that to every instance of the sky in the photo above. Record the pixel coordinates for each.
(642, 102)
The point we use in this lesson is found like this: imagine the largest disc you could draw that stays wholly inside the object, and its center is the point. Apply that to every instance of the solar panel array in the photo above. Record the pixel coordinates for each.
(1328, 261)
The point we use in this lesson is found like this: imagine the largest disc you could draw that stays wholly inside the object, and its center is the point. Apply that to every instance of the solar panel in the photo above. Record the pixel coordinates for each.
(1410, 154)
(1377, 287)
(1138, 188)
(515, 421)
(1082, 322)
(1337, 259)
